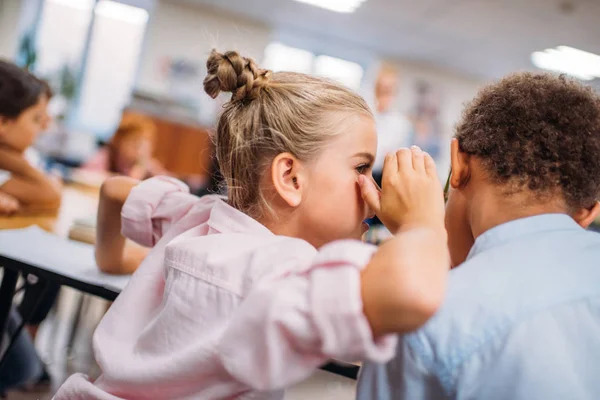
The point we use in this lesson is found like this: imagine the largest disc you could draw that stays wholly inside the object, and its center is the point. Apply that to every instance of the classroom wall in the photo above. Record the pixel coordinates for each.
(455, 90)
(10, 11)
(190, 32)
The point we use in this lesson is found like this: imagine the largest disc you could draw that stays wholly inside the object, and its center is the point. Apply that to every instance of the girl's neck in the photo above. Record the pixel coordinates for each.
(290, 226)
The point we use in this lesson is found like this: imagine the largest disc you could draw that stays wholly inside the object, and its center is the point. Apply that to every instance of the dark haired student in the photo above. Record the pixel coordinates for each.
(521, 317)
(23, 115)
(24, 188)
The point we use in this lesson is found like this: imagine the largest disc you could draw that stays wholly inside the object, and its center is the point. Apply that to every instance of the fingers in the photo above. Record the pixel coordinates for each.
(418, 159)
(390, 169)
(390, 163)
(430, 167)
(404, 157)
(413, 159)
(370, 193)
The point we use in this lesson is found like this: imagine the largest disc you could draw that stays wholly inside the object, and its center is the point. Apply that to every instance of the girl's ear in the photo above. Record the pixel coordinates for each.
(288, 178)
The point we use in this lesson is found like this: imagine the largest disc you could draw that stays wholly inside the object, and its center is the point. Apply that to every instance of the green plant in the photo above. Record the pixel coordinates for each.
(68, 82)
(27, 51)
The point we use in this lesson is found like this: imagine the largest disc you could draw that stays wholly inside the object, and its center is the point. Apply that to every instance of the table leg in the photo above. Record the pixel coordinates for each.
(76, 321)
(7, 291)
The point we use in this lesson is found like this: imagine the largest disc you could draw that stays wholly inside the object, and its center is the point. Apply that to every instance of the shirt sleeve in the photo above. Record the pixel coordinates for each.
(152, 207)
(409, 375)
(290, 325)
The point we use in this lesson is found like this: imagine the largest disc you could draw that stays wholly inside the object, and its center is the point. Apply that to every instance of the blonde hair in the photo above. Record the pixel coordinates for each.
(269, 114)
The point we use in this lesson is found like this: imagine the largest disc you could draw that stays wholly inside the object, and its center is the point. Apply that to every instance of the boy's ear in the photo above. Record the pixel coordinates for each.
(585, 216)
(460, 166)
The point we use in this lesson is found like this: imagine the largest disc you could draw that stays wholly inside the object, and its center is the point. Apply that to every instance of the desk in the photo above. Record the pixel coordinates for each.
(78, 201)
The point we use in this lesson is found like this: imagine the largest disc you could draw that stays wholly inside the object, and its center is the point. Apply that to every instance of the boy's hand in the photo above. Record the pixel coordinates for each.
(411, 192)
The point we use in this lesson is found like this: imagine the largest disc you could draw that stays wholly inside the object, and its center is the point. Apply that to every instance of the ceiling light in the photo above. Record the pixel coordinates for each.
(123, 12)
(78, 4)
(577, 63)
(341, 6)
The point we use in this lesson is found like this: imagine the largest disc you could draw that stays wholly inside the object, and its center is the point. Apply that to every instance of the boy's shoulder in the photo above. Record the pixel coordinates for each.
(498, 291)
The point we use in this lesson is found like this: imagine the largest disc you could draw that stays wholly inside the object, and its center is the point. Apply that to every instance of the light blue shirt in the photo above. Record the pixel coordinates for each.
(521, 320)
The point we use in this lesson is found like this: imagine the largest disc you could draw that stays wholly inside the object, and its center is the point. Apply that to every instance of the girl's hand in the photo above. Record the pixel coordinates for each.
(411, 195)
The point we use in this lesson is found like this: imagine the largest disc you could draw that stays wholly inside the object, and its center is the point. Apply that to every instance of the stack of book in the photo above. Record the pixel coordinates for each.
(84, 230)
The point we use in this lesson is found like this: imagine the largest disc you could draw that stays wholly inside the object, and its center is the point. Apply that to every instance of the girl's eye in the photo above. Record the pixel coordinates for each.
(361, 169)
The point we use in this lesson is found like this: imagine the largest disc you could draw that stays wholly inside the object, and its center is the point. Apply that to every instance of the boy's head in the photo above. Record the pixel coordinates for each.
(22, 106)
(291, 147)
(528, 144)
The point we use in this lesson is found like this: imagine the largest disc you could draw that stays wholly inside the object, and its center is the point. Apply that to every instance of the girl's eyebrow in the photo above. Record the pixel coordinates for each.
(366, 155)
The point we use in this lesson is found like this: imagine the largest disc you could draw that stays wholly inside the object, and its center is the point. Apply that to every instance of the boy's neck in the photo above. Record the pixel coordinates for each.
(489, 208)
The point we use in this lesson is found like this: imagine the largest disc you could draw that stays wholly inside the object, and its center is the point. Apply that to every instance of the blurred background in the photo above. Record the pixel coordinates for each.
(126, 77)
(416, 62)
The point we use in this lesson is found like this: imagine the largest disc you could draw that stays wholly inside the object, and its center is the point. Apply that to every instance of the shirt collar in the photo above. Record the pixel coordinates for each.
(519, 228)
(226, 219)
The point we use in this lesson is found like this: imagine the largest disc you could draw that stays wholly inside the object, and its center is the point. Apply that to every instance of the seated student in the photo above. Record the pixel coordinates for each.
(23, 115)
(129, 151)
(33, 291)
(240, 298)
(521, 318)
(23, 188)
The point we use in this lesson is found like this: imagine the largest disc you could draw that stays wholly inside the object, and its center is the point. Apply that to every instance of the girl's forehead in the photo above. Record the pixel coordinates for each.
(360, 132)
(356, 140)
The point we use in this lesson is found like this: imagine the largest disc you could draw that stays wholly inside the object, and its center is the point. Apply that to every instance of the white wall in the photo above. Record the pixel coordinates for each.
(10, 11)
(189, 32)
(455, 90)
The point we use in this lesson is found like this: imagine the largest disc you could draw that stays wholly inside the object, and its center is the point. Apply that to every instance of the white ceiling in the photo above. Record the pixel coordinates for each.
(483, 38)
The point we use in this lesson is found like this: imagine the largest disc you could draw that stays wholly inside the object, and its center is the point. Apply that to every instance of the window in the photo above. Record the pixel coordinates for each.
(109, 76)
(279, 57)
(345, 72)
(108, 53)
(62, 34)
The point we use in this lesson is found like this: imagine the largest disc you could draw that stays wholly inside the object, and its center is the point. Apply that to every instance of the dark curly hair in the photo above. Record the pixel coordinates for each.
(539, 132)
(19, 90)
